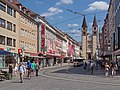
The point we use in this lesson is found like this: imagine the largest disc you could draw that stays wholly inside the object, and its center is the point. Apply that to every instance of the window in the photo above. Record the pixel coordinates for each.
(9, 10)
(9, 41)
(9, 25)
(14, 42)
(94, 33)
(2, 40)
(14, 13)
(83, 33)
(14, 28)
(2, 6)
(2, 23)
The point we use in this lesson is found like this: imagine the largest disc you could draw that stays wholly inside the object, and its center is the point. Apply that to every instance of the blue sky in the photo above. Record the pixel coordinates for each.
(61, 13)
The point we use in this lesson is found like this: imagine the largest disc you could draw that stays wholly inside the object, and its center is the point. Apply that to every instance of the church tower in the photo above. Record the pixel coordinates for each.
(94, 37)
(84, 38)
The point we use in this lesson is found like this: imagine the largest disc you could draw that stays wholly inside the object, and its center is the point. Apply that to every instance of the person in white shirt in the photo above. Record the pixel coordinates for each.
(21, 70)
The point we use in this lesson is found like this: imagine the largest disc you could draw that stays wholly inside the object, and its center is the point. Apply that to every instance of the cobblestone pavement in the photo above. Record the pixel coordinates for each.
(65, 78)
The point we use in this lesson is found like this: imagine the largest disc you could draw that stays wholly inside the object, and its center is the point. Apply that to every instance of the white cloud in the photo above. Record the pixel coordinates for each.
(52, 11)
(68, 2)
(98, 5)
(55, 10)
(38, 2)
(72, 25)
(75, 31)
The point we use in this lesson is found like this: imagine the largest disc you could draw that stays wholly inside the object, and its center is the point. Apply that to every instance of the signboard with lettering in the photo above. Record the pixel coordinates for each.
(42, 35)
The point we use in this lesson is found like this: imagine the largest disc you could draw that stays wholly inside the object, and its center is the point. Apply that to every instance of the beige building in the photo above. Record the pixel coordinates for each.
(8, 27)
(27, 32)
(18, 30)
(89, 42)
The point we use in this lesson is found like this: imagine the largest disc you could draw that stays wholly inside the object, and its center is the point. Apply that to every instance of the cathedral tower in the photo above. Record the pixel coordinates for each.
(94, 37)
(84, 38)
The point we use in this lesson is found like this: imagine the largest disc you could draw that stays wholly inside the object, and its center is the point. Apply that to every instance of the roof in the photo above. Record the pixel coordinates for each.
(94, 22)
(84, 24)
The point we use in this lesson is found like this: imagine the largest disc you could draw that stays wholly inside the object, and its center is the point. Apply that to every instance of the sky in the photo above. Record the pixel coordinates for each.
(67, 15)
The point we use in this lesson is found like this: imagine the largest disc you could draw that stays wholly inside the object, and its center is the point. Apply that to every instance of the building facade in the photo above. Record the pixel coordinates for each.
(9, 27)
(117, 31)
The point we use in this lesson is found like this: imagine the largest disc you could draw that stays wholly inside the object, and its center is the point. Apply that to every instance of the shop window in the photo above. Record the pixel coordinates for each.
(9, 10)
(2, 6)
(14, 42)
(2, 40)
(9, 41)
(14, 28)
(9, 25)
(2, 23)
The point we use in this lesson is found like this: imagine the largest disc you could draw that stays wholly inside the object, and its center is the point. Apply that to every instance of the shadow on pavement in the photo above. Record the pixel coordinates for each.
(81, 71)
(15, 82)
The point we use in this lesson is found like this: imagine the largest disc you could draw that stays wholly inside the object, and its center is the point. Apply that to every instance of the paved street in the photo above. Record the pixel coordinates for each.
(65, 78)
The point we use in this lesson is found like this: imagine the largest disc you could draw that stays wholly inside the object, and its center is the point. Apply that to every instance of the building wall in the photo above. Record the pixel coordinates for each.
(117, 28)
(27, 34)
(111, 22)
(13, 34)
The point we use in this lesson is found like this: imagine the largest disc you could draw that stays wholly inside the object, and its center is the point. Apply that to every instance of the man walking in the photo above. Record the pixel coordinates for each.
(21, 70)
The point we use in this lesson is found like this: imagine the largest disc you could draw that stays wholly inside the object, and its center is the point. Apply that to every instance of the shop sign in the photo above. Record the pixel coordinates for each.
(1, 48)
(42, 35)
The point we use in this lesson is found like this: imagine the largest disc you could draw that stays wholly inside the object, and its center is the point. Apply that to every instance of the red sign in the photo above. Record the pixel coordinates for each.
(20, 50)
(1, 48)
(42, 35)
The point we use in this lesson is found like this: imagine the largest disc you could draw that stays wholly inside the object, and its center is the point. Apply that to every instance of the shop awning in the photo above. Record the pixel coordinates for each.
(3, 52)
(37, 56)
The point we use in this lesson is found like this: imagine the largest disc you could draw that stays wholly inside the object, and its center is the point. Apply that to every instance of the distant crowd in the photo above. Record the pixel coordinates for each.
(108, 67)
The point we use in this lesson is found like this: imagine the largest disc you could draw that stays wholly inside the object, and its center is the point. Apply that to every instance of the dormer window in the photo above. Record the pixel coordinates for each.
(20, 7)
(28, 12)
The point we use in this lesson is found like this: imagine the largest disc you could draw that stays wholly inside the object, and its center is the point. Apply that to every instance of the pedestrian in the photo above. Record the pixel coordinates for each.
(107, 67)
(112, 68)
(33, 67)
(16, 69)
(85, 65)
(92, 67)
(10, 71)
(29, 69)
(21, 70)
(115, 69)
(37, 67)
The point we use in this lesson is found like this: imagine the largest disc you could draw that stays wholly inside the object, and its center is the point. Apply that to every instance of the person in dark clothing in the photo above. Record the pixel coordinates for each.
(85, 65)
(10, 71)
(29, 69)
(37, 67)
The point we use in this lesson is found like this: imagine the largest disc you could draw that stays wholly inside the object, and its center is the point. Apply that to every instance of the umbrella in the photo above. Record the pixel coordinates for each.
(3, 52)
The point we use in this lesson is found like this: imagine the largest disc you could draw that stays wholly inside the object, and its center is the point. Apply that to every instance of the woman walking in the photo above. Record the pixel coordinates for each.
(107, 67)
